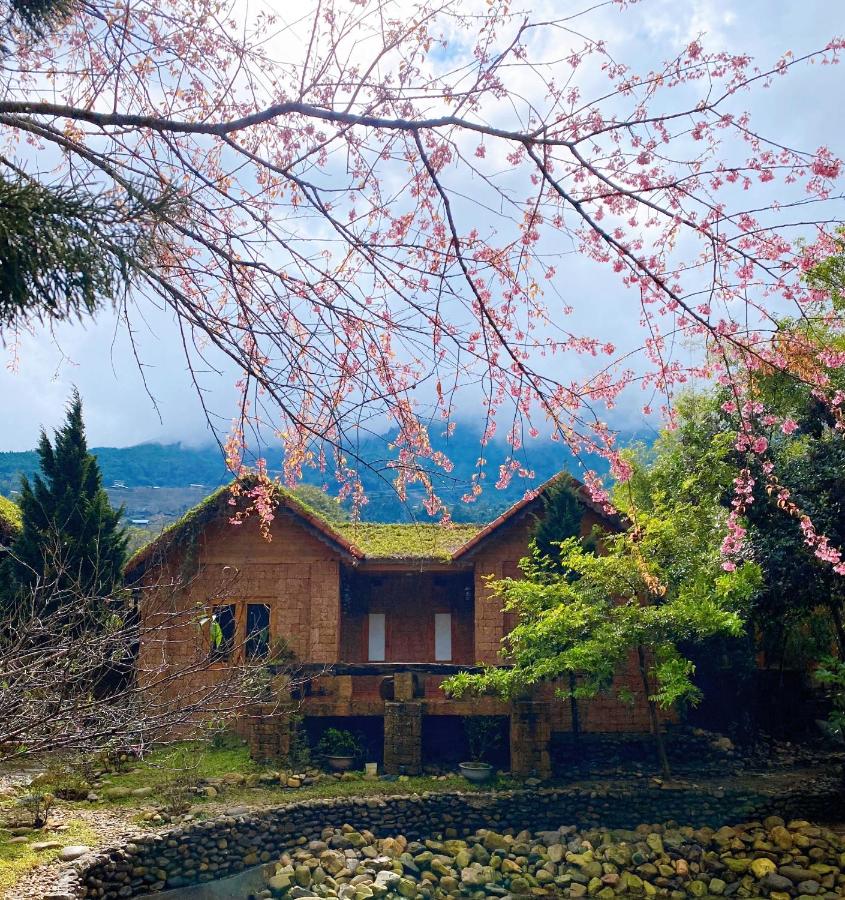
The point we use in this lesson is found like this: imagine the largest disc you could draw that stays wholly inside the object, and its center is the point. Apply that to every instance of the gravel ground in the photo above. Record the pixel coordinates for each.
(109, 824)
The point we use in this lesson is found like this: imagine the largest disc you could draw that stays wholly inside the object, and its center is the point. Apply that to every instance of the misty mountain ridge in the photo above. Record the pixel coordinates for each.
(157, 482)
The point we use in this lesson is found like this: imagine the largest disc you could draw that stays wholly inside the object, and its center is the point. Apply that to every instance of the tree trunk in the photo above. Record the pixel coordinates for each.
(836, 615)
(654, 719)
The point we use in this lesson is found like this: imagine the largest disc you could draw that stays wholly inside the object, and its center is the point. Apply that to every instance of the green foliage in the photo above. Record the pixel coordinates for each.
(69, 778)
(71, 543)
(658, 586)
(10, 521)
(339, 742)
(299, 752)
(561, 517)
(38, 17)
(32, 809)
(829, 274)
(831, 674)
(326, 506)
(63, 252)
(182, 777)
(484, 733)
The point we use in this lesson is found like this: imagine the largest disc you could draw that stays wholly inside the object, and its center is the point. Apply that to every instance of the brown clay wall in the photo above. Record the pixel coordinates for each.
(295, 574)
(409, 603)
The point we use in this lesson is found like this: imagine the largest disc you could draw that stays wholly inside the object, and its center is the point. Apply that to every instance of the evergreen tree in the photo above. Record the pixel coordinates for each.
(561, 518)
(71, 542)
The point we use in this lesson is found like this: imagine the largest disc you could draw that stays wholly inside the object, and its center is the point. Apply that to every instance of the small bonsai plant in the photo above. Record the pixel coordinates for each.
(339, 747)
(483, 734)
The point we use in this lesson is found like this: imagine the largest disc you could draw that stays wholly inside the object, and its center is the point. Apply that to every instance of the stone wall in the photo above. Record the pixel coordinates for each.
(209, 850)
(403, 738)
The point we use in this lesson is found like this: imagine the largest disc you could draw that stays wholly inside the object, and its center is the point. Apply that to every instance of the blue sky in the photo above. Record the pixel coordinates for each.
(98, 357)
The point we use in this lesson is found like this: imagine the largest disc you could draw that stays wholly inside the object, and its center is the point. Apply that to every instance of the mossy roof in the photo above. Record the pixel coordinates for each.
(10, 519)
(408, 541)
(215, 504)
(362, 540)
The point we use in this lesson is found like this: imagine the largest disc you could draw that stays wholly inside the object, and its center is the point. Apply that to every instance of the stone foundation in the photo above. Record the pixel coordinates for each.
(268, 734)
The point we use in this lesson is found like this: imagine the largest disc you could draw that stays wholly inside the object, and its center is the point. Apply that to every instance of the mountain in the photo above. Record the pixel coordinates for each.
(158, 482)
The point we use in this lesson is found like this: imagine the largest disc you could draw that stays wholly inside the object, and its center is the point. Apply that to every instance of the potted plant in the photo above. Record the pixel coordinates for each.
(483, 733)
(339, 748)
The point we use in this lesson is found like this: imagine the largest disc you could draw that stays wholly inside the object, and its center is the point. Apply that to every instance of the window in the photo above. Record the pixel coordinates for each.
(443, 637)
(375, 639)
(222, 631)
(257, 630)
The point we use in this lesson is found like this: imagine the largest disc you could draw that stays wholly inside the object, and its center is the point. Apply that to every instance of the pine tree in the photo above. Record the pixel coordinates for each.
(561, 518)
(71, 542)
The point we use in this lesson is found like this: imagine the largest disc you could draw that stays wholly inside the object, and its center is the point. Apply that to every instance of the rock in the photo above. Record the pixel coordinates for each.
(407, 888)
(117, 793)
(520, 885)
(774, 882)
(293, 783)
(279, 882)
(45, 845)
(387, 880)
(809, 887)
(796, 874)
(761, 867)
(655, 844)
(556, 852)
(493, 841)
(74, 851)
(781, 837)
(142, 792)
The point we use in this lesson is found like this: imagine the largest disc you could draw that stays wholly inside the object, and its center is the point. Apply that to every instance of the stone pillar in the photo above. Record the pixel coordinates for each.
(343, 687)
(403, 686)
(269, 731)
(531, 733)
(403, 737)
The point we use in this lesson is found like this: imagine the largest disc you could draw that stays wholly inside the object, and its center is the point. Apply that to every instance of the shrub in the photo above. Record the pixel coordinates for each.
(483, 734)
(69, 778)
(31, 809)
(299, 753)
(338, 742)
(179, 786)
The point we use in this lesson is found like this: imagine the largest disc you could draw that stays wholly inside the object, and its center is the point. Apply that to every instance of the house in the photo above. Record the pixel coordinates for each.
(378, 615)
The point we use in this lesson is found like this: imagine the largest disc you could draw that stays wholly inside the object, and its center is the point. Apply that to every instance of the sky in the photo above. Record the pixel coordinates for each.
(139, 389)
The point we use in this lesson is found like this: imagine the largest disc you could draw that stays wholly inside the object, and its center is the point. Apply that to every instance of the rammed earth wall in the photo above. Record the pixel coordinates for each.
(206, 851)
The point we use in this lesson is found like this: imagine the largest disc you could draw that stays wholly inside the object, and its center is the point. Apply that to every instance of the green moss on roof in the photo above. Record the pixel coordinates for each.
(207, 509)
(10, 519)
(411, 541)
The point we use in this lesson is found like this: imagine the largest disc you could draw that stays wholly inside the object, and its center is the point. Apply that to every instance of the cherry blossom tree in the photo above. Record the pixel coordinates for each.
(360, 204)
